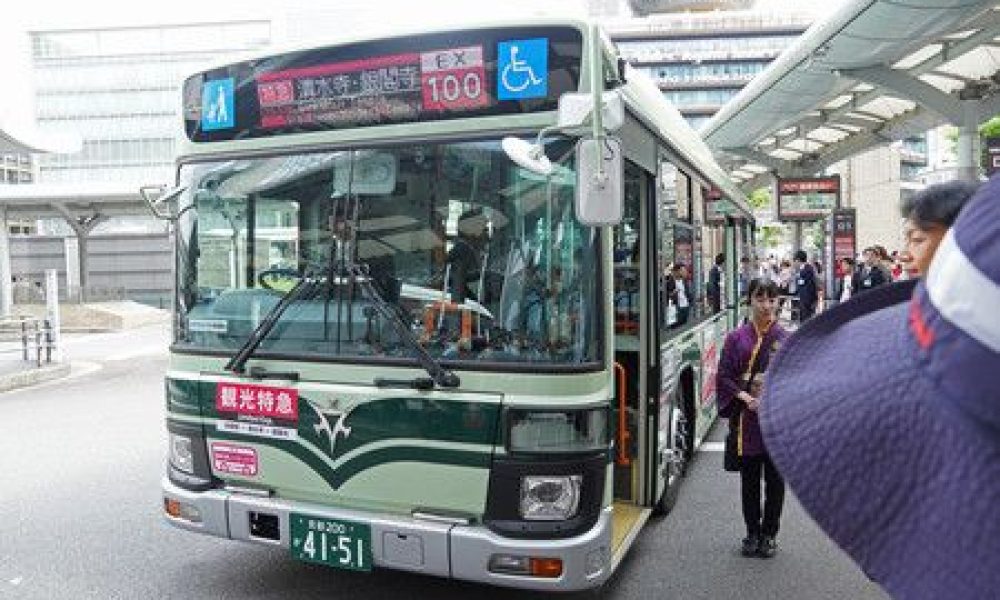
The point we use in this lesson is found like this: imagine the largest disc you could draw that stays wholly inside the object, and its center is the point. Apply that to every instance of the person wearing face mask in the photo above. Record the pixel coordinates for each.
(929, 213)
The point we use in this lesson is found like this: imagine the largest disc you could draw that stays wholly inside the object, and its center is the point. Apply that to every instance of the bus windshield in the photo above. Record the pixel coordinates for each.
(482, 260)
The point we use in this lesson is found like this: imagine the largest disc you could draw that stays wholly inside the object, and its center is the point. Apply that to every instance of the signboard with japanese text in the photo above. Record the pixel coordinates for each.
(484, 72)
(257, 410)
(234, 459)
(807, 199)
(843, 230)
(716, 207)
(397, 87)
(992, 156)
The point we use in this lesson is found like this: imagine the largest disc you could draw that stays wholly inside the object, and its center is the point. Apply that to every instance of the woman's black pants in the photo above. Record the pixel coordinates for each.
(750, 473)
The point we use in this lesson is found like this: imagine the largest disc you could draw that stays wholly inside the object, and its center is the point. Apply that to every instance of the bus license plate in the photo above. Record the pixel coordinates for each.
(331, 542)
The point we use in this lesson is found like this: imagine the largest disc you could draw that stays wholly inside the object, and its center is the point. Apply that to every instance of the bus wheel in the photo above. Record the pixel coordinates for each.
(675, 464)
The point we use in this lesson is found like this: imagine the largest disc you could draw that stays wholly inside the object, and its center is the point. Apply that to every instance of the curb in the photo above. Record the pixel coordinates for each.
(33, 376)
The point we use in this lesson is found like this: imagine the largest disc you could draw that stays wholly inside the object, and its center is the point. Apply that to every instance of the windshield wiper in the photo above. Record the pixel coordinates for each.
(237, 364)
(439, 374)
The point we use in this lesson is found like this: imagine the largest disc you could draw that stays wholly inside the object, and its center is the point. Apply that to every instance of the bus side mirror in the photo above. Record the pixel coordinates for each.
(600, 174)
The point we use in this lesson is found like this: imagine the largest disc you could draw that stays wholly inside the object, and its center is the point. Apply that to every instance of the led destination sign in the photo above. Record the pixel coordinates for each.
(397, 87)
(423, 78)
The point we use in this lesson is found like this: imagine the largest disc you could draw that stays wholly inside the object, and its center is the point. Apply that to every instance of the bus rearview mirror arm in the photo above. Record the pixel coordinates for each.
(163, 198)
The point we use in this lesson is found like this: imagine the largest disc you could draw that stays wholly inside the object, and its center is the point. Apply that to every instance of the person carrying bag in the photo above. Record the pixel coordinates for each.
(744, 359)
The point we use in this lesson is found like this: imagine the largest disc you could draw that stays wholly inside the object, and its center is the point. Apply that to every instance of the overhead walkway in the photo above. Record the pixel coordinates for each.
(877, 71)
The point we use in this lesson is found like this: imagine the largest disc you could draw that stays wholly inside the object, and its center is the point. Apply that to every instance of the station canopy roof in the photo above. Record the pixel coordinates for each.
(876, 71)
(21, 138)
(58, 200)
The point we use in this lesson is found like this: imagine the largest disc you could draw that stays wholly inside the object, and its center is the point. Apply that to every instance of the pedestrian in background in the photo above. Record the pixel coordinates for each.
(884, 262)
(929, 213)
(745, 356)
(713, 290)
(845, 283)
(744, 277)
(806, 289)
(870, 275)
(680, 276)
(901, 467)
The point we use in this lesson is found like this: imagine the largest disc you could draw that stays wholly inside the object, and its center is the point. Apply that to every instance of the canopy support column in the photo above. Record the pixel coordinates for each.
(968, 143)
(82, 226)
(6, 289)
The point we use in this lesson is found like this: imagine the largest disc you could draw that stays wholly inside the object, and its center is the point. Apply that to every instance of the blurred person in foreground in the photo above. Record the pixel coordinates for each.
(929, 213)
(745, 356)
(902, 467)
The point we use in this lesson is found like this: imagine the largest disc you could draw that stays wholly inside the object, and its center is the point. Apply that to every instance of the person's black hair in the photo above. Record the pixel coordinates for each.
(800, 255)
(849, 260)
(759, 284)
(938, 204)
(720, 258)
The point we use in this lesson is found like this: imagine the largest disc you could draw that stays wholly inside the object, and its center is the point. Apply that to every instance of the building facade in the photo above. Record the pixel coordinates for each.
(118, 88)
(702, 57)
(701, 60)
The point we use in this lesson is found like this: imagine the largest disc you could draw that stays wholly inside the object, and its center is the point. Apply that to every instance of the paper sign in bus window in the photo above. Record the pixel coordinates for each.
(522, 69)
(218, 106)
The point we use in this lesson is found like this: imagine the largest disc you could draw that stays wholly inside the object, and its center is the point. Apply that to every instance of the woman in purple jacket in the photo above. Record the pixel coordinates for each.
(741, 366)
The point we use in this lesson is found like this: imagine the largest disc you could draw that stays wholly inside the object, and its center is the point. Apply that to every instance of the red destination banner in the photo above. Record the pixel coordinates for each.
(799, 186)
(257, 401)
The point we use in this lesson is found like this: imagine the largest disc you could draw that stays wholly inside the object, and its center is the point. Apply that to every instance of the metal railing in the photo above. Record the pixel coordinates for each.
(30, 337)
(35, 294)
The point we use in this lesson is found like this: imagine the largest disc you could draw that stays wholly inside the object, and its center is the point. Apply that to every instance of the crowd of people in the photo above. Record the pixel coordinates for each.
(901, 467)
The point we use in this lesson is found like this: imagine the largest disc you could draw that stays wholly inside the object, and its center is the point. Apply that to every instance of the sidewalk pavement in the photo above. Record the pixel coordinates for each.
(16, 374)
(81, 349)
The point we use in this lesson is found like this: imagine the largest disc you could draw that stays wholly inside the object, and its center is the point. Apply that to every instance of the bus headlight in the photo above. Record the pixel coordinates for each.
(181, 455)
(545, 498)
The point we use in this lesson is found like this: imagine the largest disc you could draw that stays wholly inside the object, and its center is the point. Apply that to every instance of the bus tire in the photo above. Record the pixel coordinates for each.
(680, 455)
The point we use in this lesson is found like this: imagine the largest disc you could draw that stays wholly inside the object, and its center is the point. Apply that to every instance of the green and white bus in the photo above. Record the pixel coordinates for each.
(421, 318)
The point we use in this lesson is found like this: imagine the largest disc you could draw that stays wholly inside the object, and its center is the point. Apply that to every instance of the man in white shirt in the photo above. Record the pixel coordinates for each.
(683, 303)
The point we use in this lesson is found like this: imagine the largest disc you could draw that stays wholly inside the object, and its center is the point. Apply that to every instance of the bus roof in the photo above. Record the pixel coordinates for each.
(644, 98)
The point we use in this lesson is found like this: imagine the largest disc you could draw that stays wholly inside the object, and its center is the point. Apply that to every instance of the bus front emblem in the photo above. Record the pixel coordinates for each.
(339, 428)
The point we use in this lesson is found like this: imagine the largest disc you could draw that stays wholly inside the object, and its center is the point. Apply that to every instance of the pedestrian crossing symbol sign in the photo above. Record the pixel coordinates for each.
(218, 104)
(522, 69)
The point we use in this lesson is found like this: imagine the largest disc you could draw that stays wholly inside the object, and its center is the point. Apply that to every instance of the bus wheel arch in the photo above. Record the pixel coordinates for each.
(682, 440)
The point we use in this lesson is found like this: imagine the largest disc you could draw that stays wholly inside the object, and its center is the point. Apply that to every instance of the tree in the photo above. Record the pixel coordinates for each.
(990, 128)
(760, 198)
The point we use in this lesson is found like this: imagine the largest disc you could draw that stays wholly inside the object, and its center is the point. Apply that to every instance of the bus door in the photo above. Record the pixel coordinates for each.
(632, 312)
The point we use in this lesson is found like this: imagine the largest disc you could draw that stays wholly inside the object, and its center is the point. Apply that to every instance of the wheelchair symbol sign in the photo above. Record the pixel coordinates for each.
(522, 69)
(217, 105)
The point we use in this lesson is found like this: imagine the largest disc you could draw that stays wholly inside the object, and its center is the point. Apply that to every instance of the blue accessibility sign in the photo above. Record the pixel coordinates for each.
(218, 110)
(522, 69)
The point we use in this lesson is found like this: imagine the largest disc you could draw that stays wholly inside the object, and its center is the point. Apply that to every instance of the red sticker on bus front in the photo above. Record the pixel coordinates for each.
(257, 401)
(234, 460)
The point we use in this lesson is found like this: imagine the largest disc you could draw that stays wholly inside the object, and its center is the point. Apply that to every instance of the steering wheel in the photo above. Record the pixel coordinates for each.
(279, 279)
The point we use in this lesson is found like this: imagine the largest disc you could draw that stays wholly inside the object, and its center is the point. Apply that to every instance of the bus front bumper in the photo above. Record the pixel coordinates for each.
(420, 544)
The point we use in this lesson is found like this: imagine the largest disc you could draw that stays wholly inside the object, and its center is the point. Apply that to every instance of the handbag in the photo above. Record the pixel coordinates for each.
(731, 460)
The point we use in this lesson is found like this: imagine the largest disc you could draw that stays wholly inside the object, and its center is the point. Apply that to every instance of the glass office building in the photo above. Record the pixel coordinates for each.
(701, 60)
(118, 88)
